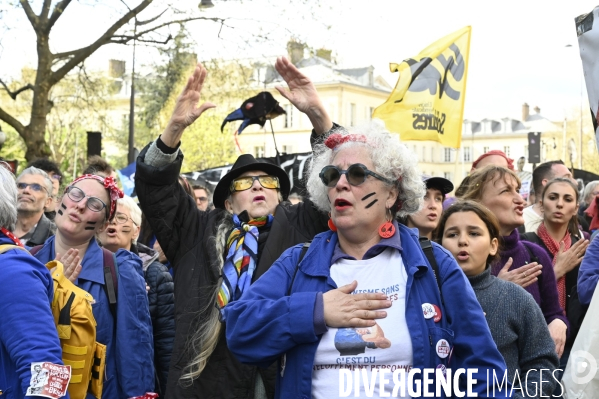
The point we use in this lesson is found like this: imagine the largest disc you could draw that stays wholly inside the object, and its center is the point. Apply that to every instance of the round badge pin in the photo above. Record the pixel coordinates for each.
(442, 368)
(428, 310)
(443, 348)
(438, 314)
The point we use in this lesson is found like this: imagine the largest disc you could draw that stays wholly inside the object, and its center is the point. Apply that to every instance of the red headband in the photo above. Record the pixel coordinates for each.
(336, 139)
(510, 161)
(110, 185)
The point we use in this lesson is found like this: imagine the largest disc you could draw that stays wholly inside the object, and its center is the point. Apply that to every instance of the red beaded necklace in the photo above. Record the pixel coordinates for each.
(11, 236)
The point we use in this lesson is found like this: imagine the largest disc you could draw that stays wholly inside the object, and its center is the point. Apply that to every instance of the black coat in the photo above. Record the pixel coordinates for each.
(161, 299)
(45, 229)
(186, 236)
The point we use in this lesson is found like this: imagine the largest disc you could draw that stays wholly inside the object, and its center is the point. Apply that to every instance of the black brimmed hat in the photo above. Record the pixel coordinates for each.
(246, 163)
(439, 183)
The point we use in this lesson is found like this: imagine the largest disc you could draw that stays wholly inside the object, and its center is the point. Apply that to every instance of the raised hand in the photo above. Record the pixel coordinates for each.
(523, 276)
(342, 309)
(186, 108)
(303, 95)
(71, 262)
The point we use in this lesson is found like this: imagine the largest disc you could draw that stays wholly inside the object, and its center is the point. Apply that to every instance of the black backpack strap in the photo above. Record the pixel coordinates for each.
(111, 282)
(302, 254)
(427, 248)
(533, 257)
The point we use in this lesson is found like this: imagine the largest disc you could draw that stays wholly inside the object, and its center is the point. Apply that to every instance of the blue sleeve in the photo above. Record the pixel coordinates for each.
(26, 291)
(133, 329)
(265, 322)
(474, 347)
(588, 274)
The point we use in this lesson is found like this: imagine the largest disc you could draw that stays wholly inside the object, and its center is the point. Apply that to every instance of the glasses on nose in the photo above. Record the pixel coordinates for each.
(246, 182)
(121, 218)
(93, 203)
(355, 174)
(33, 186)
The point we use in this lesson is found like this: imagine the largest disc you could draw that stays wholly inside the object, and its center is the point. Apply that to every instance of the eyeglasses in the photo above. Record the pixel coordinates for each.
(121, 218)
(34, 187)
(93, 203)
(246, 182)
(356, 174)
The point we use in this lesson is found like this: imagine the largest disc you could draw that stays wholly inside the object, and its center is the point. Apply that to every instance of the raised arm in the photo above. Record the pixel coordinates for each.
(186, 108)
(303, 95)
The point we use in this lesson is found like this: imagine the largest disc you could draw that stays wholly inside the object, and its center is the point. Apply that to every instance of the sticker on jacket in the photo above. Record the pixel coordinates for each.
(49, 380)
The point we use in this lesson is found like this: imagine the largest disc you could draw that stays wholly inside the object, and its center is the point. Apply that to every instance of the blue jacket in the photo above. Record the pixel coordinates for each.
(27, 330)
(265, 323)
(129, 352)
(588, 275)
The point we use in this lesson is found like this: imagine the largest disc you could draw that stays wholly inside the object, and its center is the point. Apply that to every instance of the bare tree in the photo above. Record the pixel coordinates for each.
(53, 67)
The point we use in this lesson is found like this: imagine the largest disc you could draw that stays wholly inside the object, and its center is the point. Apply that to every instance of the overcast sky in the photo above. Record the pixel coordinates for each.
(518, 51)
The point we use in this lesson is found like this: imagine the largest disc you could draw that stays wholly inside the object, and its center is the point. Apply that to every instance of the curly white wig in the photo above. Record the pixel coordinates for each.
(390, 158)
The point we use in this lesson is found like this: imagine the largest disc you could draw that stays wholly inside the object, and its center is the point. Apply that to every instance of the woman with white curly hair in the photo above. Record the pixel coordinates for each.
(309, 310)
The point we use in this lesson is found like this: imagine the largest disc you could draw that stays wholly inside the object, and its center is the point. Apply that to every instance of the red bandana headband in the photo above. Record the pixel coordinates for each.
(109, 184)
(336, 139)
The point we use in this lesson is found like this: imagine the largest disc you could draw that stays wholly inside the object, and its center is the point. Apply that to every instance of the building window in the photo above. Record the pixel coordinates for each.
(447, 155)
(259, 151)
(352, 114)
(485, 150)
(432, 154)
(423, 154)
(288, 115)
(467, 155)
(287, 149)
(447, 175)
(370, 112)
(506, 150)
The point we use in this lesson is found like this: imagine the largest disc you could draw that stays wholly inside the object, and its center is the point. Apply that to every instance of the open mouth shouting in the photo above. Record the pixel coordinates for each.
(341, 204)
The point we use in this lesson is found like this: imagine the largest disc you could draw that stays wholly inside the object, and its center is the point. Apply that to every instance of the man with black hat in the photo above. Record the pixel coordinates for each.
(217, 254)
(427, 218)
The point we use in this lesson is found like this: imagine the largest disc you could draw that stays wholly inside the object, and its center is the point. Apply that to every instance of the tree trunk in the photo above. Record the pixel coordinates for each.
(34, 134)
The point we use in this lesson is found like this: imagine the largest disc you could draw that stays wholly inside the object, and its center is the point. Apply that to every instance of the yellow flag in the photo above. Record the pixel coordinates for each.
(428, 100)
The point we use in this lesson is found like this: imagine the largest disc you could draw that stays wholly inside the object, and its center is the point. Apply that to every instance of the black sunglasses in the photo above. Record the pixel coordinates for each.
(356, 174)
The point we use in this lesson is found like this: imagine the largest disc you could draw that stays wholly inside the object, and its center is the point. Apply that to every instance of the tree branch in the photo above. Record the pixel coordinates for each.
(56, 13)
(14, 94)
(12, 121)
(30, 14)
(45, 11)
(129, 38)
(82, 54)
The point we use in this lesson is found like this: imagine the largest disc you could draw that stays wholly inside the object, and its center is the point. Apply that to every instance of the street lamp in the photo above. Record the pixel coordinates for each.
(2, 138)
(206, 4)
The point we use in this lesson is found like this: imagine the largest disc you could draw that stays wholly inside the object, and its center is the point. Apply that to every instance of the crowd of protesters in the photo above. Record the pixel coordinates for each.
(248, 292)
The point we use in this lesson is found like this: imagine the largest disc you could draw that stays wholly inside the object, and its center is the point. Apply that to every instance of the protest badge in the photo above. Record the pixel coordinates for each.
(49, 380)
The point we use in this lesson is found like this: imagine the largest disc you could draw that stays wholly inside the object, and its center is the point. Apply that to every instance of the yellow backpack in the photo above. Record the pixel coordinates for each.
(76, 327)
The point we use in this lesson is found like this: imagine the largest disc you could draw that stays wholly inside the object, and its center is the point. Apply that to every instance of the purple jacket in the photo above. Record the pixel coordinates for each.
(543, 291)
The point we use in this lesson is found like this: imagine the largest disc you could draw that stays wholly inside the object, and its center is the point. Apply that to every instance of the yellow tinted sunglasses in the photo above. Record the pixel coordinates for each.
(246, 182)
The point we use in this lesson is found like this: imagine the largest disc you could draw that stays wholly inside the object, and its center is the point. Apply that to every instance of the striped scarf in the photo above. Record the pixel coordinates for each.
(553, 247)
(242, 256)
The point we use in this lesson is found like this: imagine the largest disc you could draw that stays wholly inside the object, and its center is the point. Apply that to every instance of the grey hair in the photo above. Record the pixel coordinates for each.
(391, 159)
(32, 170)
(8, 199)
(134, 210)
(588, 191)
